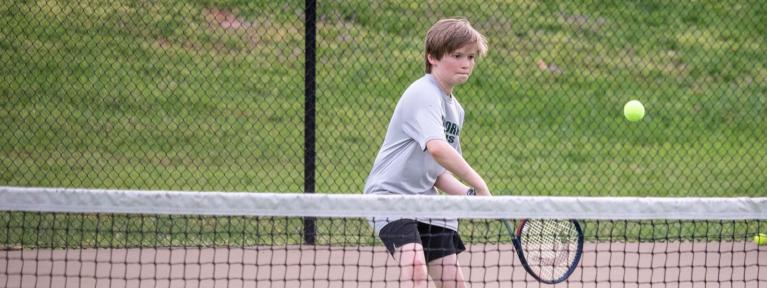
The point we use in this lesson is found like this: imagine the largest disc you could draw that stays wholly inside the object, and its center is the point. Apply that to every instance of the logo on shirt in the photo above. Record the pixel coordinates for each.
(452, 131)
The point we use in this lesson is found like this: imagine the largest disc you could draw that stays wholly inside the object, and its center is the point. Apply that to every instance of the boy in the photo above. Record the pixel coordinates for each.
(422, 153)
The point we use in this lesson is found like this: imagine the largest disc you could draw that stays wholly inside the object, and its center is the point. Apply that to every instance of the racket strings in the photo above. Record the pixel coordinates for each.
(550, 246)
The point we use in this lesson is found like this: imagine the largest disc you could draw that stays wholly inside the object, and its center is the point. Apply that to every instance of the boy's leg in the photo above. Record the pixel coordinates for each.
(441, 247)
(403, 241)
(412, 265)
(446, 272)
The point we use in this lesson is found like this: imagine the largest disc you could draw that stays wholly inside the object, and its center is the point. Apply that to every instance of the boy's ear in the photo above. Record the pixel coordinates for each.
(431, 59)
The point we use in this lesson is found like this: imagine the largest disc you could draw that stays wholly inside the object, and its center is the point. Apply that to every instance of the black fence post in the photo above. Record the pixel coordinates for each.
(309, 111)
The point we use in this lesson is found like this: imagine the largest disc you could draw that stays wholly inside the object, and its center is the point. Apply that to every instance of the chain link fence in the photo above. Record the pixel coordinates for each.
(211, 95)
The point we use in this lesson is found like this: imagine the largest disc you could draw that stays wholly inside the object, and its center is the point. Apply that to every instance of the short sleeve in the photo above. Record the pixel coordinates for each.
(422, 118)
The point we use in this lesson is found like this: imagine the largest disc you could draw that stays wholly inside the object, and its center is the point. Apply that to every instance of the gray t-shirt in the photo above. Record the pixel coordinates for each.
(403, 166)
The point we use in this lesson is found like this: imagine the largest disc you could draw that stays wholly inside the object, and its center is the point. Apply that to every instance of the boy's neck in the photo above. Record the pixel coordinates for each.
(442, 86)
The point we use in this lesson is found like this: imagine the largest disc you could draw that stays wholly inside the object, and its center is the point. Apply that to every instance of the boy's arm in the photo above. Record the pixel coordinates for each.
(447, 183)
(446, 156)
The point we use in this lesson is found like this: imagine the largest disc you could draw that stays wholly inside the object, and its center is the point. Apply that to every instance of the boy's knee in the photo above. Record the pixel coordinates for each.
(419, 272)
(412, 262)
(419, 265)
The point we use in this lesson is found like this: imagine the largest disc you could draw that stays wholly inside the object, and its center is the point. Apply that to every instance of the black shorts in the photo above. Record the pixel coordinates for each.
(437, 241)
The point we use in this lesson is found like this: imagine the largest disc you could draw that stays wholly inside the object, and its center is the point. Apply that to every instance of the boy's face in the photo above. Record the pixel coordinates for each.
(455, 67)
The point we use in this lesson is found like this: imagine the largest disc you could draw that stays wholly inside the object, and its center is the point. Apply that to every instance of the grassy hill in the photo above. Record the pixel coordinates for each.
(209, 95)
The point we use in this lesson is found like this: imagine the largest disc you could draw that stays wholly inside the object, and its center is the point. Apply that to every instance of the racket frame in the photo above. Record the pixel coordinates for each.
(516, 240)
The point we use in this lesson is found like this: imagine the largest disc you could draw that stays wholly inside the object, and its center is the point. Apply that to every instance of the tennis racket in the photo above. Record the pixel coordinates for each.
(548, 249)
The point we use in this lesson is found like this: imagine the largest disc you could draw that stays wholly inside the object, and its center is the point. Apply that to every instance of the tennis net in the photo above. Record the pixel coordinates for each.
(57, 237)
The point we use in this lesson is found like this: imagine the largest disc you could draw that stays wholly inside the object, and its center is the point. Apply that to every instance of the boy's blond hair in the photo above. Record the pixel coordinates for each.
(448, 35)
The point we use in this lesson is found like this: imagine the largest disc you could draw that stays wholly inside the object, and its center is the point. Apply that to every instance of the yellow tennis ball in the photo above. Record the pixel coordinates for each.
(633, 110)
(760, 239)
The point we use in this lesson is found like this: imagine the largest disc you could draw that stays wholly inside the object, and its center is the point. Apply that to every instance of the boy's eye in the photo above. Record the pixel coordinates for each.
(470, 56)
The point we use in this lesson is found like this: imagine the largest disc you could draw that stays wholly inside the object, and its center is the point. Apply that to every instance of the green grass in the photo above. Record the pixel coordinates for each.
(159, 95)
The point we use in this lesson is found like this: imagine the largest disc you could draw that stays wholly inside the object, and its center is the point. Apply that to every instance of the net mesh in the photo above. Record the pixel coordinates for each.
(550, 246)
(92, 248)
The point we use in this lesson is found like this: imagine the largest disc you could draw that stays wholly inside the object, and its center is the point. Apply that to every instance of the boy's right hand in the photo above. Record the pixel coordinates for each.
(483, 191)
